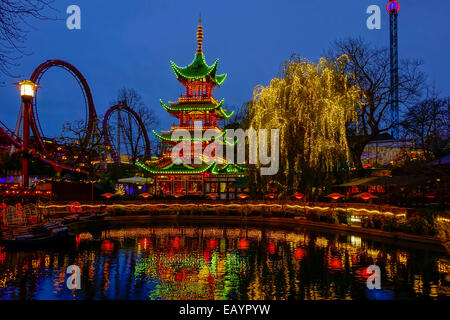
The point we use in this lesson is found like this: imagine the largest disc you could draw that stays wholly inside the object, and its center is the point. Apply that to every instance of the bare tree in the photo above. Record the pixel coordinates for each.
(428, 123)
(133, 133)
(240, 118)
(88, 154)
(14, 26)
(370, 67)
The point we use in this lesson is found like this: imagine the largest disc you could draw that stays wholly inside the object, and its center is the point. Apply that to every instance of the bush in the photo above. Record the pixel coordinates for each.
(391, 224)
(313, 216)
(332, 218)
(116, 211)
(377, 222)
(343, 217)
(417, 225)
(441, 229)
(366, 222)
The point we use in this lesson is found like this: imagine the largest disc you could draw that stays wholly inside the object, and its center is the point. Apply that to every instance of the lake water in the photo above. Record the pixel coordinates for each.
(218, 262)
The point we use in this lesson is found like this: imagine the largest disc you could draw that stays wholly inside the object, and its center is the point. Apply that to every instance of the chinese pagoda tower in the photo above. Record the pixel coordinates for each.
(196, 109)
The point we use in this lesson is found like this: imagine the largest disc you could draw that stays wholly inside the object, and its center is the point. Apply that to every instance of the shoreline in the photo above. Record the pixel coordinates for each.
(396, 238)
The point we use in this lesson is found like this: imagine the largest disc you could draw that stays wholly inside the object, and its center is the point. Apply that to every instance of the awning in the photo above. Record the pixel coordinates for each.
(359, 182)
(136, 180)
(239, 183)
(379, 181)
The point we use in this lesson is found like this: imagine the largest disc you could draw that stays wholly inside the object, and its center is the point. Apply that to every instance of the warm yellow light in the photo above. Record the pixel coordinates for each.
(27, 88)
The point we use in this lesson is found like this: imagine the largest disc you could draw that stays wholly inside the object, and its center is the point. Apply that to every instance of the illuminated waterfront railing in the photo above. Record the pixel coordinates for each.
(241, 207)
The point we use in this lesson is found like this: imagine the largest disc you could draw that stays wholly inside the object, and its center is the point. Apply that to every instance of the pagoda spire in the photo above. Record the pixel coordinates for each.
(200, 36)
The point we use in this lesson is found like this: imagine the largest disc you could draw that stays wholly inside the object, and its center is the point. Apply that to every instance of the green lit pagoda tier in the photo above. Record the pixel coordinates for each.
(199, 70)
(187, 106)
(204, 169)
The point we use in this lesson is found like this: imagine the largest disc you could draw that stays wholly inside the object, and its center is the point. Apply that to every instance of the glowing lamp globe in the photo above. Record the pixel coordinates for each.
(393, 7)
(27, 88)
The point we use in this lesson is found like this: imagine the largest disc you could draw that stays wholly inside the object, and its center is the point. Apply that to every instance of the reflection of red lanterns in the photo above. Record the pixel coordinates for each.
(270, 195)
(335, 196)
(77, 240)
(298, 195)
(212, 195)
(107, 195)
(335, 264)
(178, 195)
(107, 246)
(212, 243)
(362, 272)
(242, 196)
(176, 243)
(299, 253)
(144, 243)
(145, 195)
(431, 195)
(207, 255)
(244, 244)
(271, 247)
(2, 255)
(180, 277)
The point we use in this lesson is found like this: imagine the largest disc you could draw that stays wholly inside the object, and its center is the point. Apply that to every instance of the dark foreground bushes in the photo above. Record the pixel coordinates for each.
(423, 223)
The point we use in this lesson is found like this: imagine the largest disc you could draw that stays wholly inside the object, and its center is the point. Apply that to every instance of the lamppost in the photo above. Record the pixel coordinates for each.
(27, 93)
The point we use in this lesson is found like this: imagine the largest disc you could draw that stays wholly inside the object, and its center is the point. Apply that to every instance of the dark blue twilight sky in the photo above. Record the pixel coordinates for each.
(130, 43)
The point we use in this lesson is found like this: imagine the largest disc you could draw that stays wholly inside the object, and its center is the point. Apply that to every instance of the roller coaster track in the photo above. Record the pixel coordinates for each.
(7, 135)
(40, 152)
(107, 135)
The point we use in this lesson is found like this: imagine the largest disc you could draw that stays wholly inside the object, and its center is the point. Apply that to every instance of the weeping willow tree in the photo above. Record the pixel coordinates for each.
(311, 104)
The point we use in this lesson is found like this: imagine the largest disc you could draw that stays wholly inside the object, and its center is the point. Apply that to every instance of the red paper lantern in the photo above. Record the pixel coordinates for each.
(335, 196)
(145, 195)
(271, 195)
(298, 195)
(107, 195)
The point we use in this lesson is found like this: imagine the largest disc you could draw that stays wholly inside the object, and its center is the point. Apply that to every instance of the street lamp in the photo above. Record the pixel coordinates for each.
(27, 93)
(27, 89)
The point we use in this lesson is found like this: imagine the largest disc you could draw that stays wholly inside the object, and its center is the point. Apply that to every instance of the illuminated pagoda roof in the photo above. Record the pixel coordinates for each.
(203, 106)
(198, 68)
(168, 136)
(189, 169)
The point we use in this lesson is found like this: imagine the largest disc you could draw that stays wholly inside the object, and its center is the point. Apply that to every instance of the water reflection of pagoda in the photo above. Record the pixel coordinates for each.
(197, 108)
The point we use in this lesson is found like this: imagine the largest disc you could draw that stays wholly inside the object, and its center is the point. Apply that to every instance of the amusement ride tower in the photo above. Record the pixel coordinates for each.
(393, 7)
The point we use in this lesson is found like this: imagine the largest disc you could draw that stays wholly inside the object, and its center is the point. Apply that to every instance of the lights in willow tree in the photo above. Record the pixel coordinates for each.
(311, 104)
